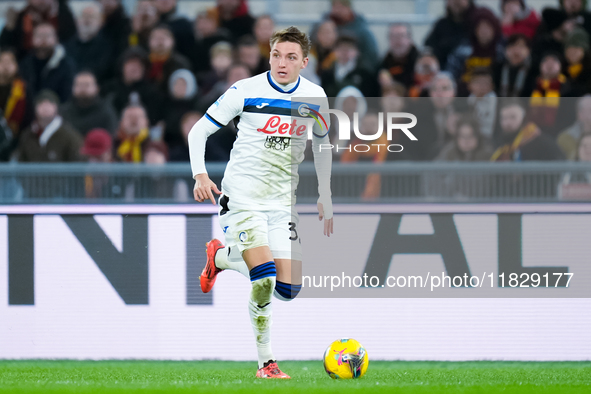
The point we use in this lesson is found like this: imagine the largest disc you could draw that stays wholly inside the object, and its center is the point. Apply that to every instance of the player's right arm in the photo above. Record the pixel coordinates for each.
(226, 108)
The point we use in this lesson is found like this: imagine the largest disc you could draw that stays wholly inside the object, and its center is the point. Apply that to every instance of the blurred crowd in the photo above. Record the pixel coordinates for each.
(486, 85)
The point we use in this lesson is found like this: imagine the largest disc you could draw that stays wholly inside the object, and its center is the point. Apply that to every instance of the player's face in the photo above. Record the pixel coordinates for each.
(287, 59)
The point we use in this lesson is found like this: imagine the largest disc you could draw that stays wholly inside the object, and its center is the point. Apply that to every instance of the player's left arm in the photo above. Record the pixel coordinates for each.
(323, 163)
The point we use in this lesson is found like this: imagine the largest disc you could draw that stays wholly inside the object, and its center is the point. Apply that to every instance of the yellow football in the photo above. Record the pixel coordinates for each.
(345, 359)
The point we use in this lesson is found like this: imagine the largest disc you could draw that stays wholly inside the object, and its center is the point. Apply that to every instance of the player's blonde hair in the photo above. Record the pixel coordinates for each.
(292, 34)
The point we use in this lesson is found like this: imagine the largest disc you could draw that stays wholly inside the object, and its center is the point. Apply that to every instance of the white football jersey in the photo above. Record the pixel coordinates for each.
(272, 134)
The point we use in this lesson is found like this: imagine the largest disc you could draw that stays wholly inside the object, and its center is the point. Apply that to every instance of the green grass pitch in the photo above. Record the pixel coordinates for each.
(307, 377)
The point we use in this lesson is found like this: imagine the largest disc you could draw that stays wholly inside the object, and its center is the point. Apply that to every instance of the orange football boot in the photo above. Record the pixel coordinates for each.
(210, 271)
(272, 371)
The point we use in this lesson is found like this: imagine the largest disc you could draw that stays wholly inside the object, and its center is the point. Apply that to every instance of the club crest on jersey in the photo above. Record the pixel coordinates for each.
(274, 126)
(243, 236)
(277, 143)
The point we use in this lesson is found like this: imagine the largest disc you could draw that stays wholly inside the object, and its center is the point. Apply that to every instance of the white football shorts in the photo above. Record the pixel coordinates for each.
(275, 228)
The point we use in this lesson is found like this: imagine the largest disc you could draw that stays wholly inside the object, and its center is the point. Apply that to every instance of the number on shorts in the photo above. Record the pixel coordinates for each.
(292, 228)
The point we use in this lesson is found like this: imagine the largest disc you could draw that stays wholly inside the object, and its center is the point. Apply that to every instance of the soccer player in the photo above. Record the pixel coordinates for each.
(258, 188)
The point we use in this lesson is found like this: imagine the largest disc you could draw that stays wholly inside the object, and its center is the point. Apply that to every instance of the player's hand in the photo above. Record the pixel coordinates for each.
(328, 223)
(203, 188)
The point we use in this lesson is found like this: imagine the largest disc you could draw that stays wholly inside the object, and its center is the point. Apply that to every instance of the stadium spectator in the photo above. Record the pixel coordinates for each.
(483, 101)
(584, 150)
(468, 143)
(264, 27)
(578, 62)
(518, 18)
(353, 24)
(48, 66)
(443, 93)
(134, 88)
(483, 48)
(142, 23)
(522, 140)
(350, 100)
(402, 55)
(218, 145)
(551, 34)
(90, 49)
(163, 59)
(86, 110)
(545, 101)
(516, 76)
(369, 125)
(576, 185)
(207, 34)
(394, 100)
(438, 117)
(116, 26)
(19, 28)
(233, 16)
(451, 29)
(221, 60)
(568, 138)
(98, 146)
(14, 102)
(323, 44)
(180, 152)
(235, 73)
(426, 67)
(133, 135)
(576, 10)
(157, 186)
(182, 99)
(49, 138)
(249, 54)
(349, 70)
(7, 144)
(156, 152)
(179, 25)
